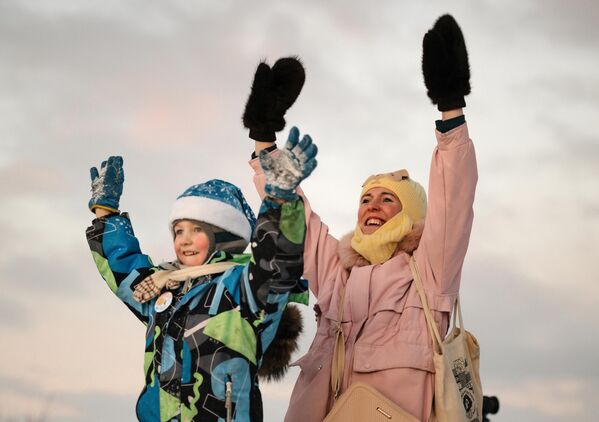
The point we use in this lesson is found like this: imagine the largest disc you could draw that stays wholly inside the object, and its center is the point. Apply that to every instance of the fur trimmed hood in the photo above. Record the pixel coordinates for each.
(350, 258)
(277, 357)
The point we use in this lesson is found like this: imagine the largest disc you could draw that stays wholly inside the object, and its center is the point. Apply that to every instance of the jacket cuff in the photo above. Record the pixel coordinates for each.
(255, 162)
(453, 138)
(444, 126)
(269, 149)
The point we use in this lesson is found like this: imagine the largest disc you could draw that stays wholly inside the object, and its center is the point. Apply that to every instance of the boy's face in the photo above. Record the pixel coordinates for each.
(191, 243)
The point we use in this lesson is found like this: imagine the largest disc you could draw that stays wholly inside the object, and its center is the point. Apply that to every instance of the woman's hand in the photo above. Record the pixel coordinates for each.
(274, 90)
(285, 171)
(107, 186)
(445, 65)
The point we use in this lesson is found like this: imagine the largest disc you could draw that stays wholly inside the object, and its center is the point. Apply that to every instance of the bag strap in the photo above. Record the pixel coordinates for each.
(359, 305)
(457, 310)
(338, 364)
(432, 327)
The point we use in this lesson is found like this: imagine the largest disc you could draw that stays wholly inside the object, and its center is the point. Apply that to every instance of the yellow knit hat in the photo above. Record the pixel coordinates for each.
(411, 193)
(379, 246)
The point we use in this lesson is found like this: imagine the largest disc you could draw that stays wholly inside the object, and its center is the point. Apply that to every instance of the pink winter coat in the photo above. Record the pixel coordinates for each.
(393, 349)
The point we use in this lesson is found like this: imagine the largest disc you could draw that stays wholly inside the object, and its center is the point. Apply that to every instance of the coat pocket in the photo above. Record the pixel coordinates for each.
(394, 354)
(436, 302)
(383, 325)
(413, 326)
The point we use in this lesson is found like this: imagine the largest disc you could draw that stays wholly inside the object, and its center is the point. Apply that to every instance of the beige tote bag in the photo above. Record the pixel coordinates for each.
(458, 392)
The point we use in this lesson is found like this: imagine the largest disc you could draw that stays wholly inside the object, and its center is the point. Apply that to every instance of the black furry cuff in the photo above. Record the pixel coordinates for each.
(446, 104)
(262, 135)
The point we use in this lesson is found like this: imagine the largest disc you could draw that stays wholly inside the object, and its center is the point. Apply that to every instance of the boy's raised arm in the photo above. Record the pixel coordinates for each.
(114, 247)
(278, 241)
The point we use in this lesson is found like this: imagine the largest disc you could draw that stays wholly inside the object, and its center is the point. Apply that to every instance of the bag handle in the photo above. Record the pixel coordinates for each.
(338, 364)
(457, 309)
(432, 327)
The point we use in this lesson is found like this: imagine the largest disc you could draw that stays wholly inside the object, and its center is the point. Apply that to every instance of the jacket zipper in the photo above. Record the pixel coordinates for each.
(229, 399)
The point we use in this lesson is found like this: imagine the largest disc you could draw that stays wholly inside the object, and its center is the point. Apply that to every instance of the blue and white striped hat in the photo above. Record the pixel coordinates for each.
(218, 203)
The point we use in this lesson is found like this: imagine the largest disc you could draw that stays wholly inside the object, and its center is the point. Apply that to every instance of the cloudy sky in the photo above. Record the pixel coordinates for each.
(164, 84)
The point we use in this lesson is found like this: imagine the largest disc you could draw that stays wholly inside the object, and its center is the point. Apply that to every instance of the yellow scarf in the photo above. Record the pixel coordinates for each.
(380, 245)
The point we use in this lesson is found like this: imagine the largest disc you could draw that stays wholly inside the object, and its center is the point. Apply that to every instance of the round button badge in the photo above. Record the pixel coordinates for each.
(164, 301)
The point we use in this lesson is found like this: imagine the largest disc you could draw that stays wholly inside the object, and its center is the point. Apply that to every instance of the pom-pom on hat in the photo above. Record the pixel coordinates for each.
(411, 193)
(218, 203)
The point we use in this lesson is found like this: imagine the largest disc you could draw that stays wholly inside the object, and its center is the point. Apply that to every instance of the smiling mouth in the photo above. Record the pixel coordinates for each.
(374, 222)
(190, 253)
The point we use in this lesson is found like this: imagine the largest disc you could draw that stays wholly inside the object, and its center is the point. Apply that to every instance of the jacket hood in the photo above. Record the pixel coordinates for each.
(275, 360)
(350, 258)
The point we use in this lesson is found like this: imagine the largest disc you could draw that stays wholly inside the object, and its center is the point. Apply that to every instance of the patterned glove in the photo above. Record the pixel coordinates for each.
(445, 64)
(107, 185)
(273, 92)
(285, 171)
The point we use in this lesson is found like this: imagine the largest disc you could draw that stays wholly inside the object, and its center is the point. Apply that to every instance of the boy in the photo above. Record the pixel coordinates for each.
(211, 314)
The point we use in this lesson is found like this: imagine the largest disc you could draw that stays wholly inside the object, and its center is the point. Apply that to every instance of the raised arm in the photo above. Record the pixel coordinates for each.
(113, 245)
(453, 172)
(274, 90)
(278, 241)
(320, 252)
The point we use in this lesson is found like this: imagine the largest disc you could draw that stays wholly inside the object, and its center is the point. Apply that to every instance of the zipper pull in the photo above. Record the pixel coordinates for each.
(229, 400)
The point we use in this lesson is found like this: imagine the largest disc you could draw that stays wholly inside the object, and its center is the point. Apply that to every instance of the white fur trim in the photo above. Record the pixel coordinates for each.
(211, 211)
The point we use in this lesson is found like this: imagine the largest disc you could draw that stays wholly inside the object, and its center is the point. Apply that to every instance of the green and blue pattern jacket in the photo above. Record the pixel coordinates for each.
(215, 333)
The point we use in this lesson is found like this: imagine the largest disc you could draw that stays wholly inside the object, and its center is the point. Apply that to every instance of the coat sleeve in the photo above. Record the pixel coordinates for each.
(275, 270)
(448, 222)
(117, 254)
(320, 251)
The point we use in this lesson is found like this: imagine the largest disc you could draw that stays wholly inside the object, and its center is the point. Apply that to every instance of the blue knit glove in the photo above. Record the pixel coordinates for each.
(285, 171)
(107, 185)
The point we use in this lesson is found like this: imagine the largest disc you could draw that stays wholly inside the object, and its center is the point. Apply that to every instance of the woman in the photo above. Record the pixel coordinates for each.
(387, 342)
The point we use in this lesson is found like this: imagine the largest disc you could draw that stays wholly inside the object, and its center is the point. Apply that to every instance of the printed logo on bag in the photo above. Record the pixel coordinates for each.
(463, 378)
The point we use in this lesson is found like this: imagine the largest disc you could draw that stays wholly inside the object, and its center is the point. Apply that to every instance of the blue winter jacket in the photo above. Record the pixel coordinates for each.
(203, 351)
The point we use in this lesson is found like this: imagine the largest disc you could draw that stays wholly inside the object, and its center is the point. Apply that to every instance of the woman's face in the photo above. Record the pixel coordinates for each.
(377, 206)
(191, 243)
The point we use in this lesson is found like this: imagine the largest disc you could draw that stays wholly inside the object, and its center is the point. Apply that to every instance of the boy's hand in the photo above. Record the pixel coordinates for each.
(107, 184)
(285, 171)
(274, 90)
(445, 64)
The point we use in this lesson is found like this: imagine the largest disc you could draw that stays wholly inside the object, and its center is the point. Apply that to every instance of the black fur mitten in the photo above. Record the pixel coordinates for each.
(273, 92)
(445, 64)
